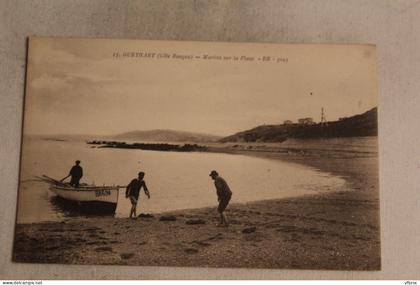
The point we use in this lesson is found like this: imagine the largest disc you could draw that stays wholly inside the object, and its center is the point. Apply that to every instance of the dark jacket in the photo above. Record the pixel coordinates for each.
(223, 190)
(76, 172)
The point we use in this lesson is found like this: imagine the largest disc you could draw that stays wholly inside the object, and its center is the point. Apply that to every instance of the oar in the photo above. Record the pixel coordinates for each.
(48, 179)
(43, 179)
(51, 180)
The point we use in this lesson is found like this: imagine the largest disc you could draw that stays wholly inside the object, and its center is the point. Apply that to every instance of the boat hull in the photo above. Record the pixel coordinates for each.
(91, 199)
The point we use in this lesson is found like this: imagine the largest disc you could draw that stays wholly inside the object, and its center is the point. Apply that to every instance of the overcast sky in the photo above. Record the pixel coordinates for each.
(77, 86)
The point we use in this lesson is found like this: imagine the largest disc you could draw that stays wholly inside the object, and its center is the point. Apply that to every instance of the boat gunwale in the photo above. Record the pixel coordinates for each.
(84, 189)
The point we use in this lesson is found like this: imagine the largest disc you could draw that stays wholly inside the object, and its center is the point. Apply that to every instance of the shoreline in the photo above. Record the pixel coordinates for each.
(337, 231)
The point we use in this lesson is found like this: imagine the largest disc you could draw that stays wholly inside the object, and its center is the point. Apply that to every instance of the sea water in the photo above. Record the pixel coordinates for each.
(176, 180)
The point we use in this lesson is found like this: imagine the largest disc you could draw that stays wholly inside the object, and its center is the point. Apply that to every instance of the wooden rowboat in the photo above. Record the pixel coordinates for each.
(94, 199)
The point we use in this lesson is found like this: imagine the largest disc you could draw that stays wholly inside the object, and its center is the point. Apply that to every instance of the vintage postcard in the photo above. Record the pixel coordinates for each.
(203, 154)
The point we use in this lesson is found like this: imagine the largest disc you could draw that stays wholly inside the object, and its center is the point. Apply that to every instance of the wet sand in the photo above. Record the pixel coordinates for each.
(338, 231)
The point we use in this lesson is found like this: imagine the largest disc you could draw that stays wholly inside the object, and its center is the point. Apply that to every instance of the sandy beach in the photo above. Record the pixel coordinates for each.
(338, 231)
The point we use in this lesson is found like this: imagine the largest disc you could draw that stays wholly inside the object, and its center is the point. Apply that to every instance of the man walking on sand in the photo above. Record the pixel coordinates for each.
(133, 191)
(224, 194)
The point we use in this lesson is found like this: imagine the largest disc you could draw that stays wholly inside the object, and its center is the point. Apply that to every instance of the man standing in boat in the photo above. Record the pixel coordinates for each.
(133, 191)
(76, 173)
(224, 194)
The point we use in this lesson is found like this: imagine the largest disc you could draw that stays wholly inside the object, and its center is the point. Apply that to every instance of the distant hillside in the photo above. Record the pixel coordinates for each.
(166, 136)
(365, 124)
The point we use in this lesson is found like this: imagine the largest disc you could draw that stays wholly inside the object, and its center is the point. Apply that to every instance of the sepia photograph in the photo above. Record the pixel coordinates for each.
(199, 154)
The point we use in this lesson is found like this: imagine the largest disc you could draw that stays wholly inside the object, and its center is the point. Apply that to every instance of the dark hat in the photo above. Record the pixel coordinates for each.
(141, 173)
(213, 172)
(77, 161)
